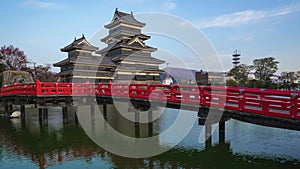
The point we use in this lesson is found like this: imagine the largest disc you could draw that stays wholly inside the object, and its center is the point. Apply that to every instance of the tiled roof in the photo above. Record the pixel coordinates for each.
(124, 17)
(61, 63)
(87, 60)
(80, 43)
(120, 14)
(138, 59)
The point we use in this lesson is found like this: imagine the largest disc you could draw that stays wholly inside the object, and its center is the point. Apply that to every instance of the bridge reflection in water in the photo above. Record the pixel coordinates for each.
(62, 145)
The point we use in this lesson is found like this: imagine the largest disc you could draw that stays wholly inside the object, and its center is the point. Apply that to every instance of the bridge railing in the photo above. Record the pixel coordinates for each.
(284, 104)
(52, 88)
(186, 94)
(160, 92)
(120, 90)
(18, 89)
(104, 89)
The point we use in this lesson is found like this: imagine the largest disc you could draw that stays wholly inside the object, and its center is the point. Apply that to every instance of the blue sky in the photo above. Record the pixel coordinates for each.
(257, 28)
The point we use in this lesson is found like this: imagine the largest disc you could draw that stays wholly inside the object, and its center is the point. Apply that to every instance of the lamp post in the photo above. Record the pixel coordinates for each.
(34, 69)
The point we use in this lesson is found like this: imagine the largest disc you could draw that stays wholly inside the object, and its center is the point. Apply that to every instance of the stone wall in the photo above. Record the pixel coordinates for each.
(10, 77)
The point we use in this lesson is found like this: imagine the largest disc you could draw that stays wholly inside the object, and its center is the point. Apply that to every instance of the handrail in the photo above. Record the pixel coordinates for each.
(283, 104)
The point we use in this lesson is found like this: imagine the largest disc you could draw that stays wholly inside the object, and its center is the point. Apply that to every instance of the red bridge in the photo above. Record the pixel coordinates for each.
(273, 103)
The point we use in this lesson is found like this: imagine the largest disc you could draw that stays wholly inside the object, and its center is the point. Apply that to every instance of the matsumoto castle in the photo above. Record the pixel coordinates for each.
(125, 58)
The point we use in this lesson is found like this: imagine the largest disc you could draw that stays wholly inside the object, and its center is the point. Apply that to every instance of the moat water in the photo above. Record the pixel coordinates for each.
(30, 145)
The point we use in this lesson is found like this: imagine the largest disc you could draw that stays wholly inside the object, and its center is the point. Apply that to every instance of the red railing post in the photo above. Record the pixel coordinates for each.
(174, 92)
(14, 91)
(241, 98)
(265, 104)
(38, 88)
(294, 102)
(88, 88)
(201, 89)
(56, 88)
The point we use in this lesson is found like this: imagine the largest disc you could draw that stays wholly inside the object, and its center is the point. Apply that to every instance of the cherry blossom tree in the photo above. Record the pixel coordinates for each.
(44, 73)
(12, 58)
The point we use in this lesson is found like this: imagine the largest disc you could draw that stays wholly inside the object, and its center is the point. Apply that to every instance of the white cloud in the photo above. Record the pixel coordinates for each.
(138, 1)
(237, 18)
(42, 4)
(280, 12)
(169, 5)
(186, 24)
(249, 37)
(247, 16)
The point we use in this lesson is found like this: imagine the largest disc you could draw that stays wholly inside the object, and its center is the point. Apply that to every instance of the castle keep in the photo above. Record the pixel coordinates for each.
(126, 58)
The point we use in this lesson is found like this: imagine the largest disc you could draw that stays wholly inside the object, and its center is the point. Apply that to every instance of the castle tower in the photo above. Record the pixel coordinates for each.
(127, 49)
(81, 65)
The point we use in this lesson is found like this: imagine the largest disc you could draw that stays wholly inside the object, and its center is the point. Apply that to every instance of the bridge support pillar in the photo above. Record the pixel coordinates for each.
(137, 123)
(105, 111)
(93, 112)
(7, 109)
(93, 115)
(11, 108)
(221, 132)
(22, 109)
(76, 117)
(65, 114)
(43, 116)
(150, 123)
(137, 131)
(136, 118)
(208, 137)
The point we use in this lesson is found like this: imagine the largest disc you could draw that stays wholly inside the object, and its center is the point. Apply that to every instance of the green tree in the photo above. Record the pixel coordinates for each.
(253, 84)
(264, 69)
(231, 82)
(290, 80)
(240, 74)
(289, 76)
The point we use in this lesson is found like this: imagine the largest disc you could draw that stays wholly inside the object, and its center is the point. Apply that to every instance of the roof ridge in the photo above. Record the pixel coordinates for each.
(121, 13)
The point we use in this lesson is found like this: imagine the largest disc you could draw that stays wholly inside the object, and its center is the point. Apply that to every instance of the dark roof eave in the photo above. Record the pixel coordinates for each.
(153, 70)
(75, 45)
(146, 48)
(112, 24)
(61, 63)
(68, 48)
(72, 47)
(153, 60)
(142, 36)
